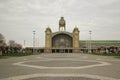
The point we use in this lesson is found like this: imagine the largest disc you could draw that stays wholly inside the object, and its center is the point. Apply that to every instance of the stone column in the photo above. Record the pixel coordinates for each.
(48, 40)
(76, 43)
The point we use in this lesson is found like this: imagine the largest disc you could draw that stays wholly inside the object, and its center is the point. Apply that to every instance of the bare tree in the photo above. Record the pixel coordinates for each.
(2, 44)
(14, 47)
(2, 39)
(11, 43)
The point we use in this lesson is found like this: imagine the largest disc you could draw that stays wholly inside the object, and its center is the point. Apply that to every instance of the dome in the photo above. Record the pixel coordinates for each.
(75, 29)
(48, 29)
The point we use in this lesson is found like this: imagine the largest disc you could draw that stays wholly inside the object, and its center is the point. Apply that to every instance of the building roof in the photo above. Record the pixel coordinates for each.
(62, 32)
(100, 42)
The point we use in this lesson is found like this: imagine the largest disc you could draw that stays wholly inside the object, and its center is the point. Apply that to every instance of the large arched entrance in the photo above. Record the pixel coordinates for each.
(62, 43)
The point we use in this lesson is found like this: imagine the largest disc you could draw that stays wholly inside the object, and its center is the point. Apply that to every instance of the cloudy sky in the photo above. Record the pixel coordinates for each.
(18, 18)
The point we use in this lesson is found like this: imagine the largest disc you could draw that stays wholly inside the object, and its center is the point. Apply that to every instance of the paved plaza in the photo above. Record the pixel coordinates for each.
(60, 66)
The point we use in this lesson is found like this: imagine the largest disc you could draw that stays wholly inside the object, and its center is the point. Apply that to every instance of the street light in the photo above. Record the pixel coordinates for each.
(90, 32)
(87, 45)
(24, 44)
(33, 41)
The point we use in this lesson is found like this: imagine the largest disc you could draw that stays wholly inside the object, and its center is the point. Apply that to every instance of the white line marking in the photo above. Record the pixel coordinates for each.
(85, 57)
(58, 75)
(38, 57)
(98, 59)
(101, 63)
(24, 59)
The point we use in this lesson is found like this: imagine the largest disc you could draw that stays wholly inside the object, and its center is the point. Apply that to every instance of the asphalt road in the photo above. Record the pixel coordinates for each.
(60, 66)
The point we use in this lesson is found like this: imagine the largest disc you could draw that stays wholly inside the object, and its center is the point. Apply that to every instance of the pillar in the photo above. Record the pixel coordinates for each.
(48, 40)
(76, 42)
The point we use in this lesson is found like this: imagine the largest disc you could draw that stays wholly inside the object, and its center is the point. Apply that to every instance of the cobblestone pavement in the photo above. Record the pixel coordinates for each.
(60, 66)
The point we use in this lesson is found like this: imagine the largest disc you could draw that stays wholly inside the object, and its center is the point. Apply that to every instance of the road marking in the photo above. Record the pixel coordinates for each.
(38, 57)
(21, 77)
(100, 63)
(85, 57)
(24, 59)
(98, 59)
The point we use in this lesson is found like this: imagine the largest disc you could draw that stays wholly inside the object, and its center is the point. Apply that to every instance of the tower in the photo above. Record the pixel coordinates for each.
(62, 24)
(48, 40)
(76, 44)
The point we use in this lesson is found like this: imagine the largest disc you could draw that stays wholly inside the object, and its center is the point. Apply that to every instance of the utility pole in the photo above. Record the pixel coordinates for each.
(24, 43)
(90, 32)
(33, 41)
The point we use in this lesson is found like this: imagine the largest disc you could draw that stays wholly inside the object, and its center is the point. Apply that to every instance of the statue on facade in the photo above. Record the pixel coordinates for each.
(62, 24)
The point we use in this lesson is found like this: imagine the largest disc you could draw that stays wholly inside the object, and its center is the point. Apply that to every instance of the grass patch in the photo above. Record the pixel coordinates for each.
(16, 55)
(116, 55)
(3, 57)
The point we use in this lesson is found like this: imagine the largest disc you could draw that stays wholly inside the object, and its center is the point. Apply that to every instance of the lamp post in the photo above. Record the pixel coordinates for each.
(90, 32)
(24, 43)
(33, 41)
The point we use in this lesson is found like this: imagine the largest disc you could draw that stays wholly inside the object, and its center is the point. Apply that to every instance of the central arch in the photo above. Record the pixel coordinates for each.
(62, 41)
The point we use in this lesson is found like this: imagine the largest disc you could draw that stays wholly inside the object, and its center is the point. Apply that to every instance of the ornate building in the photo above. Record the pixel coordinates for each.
(68, 42)
(62, 41)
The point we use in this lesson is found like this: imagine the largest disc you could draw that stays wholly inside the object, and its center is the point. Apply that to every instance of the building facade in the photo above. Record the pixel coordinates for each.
(62, 41)
(100, 46)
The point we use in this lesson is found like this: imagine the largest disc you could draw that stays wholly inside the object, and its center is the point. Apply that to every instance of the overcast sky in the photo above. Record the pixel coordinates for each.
(18, 19)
